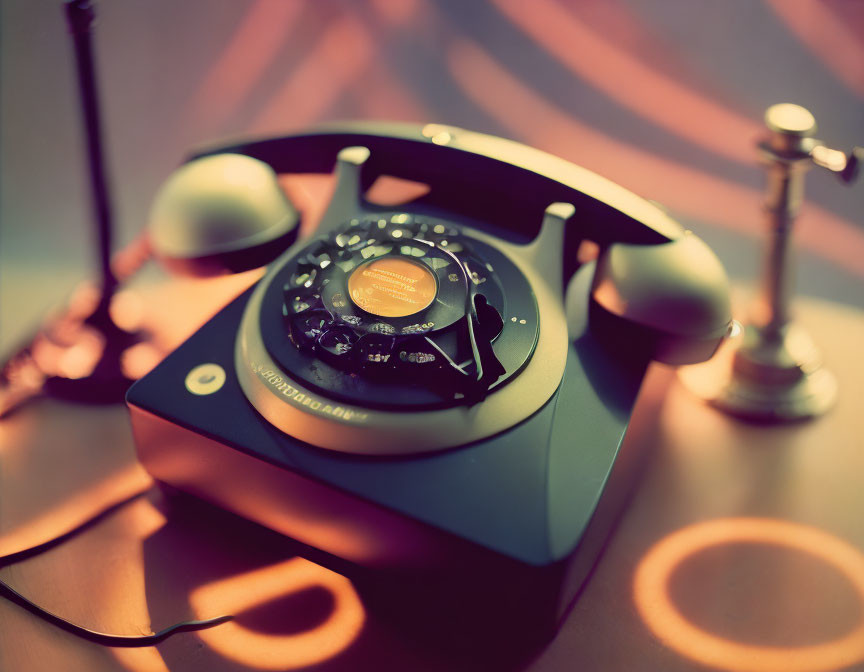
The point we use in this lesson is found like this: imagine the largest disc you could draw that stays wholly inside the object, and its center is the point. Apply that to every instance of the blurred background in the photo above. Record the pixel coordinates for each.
(663, 96)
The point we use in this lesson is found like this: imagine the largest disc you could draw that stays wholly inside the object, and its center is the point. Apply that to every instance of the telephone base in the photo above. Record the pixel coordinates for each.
(513, 523)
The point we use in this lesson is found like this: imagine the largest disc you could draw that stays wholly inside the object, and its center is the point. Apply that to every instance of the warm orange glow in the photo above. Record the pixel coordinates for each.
(389, 190)
(337, 59)
(588, 251)
(684, 189)
(83, 300)
(80, 359)
(145, 659)
(127, 587)
(24, 381)
(649, 93)
(652, 596)
(829, 38)
(73, 512)
(242, 63)
(69, 349)
(279, 652)
(144, 519)
(140, 359)
(129, 260)
(310, 193)
(397, 13)
(172, 316)
(127, 310)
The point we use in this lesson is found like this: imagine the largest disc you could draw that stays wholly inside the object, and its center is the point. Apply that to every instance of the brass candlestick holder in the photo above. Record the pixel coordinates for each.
(773, 371)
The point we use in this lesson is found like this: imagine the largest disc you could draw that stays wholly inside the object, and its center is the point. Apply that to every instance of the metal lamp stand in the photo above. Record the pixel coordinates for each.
(79, 356)
(774, 372)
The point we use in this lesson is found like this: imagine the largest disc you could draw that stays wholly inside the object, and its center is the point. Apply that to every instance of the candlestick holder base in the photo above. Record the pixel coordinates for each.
(765, 376)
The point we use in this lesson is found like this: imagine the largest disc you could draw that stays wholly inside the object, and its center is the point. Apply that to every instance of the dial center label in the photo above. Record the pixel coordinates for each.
(392, 287)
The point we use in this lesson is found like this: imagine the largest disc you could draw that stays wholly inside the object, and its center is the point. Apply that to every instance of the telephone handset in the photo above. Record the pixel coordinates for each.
(434, 330)
(358, 306)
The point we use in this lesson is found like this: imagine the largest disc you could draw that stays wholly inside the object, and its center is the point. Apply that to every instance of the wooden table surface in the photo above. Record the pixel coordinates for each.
(743, 548)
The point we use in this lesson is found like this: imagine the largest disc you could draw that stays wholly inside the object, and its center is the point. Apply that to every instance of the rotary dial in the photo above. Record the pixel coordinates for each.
(395, 309)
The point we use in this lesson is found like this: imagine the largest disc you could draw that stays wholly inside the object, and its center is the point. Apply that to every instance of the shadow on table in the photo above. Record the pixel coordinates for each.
(295, 614)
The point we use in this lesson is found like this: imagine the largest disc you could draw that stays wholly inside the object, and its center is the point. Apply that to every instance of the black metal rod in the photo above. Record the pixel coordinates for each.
(79, 16)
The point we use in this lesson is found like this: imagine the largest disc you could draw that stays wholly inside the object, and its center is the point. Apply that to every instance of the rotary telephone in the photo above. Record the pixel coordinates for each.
(437, 388)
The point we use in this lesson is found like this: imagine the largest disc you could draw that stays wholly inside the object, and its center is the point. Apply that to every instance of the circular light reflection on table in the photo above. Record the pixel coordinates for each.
(652, 596)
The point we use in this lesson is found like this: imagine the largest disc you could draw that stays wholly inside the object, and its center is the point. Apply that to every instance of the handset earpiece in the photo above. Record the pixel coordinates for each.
(221, 214)
(670, 300)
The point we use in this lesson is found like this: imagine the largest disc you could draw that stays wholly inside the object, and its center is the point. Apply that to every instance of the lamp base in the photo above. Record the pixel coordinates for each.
(766, 377)
(82, 355)
(84, 359)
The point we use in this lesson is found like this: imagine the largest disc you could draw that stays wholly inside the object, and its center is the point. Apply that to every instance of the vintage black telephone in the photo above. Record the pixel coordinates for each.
(435, 388)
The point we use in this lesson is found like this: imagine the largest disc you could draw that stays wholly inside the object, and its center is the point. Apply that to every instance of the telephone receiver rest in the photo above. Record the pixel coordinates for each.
(669, 301)
(221, 214)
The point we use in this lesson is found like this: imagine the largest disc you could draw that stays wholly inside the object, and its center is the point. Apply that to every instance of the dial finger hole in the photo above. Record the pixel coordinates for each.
(336, 345)
(307, 327)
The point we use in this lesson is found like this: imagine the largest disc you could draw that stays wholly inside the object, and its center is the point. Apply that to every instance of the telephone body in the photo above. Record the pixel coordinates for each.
(434, 389)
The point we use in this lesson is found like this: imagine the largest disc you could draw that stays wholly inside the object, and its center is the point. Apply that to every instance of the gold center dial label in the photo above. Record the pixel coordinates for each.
(392, 287)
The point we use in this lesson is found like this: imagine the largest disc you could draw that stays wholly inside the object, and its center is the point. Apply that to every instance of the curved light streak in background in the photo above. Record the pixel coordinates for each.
(652, 596)
(343, 51)
(236, 594)
(616, 21)
(398, 13)
(605, 66)
(345, 54)
(829, 38)
(252, 48)
(684, 189)
(382, 96)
